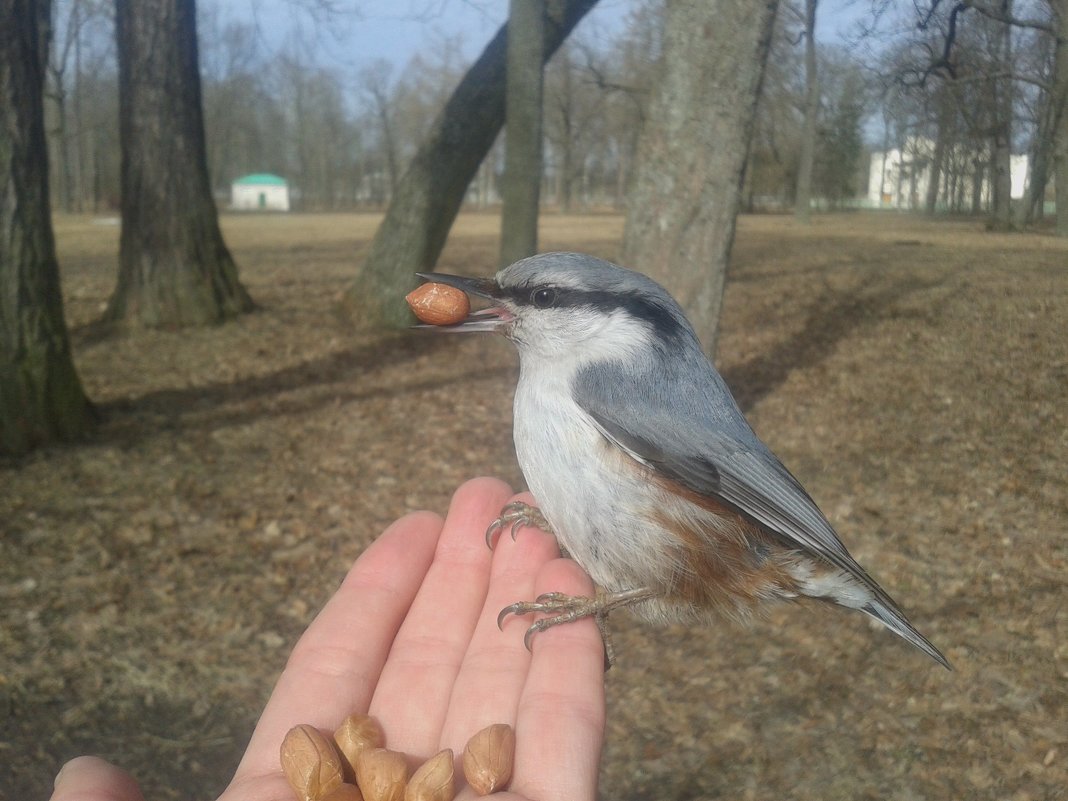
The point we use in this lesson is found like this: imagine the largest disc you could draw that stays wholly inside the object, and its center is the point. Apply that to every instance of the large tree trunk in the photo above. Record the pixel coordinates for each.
(803, 198)
(691, 159)
(521, 182)
(174, 268)
(41, 397)
(1060, 100)
(1039, 167)
(429, 195)
(1001, 143)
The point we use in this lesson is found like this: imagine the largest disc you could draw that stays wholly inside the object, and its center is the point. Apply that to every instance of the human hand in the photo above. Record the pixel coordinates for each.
(411, 639)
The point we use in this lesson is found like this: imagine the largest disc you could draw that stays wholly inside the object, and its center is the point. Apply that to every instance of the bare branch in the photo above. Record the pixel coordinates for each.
(600, 80)
(1000, 15)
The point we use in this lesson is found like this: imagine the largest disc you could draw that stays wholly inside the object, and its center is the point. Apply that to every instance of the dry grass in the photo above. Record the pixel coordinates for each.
(913, 374)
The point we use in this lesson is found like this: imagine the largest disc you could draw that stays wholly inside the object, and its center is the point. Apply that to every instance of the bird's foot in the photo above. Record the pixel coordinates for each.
(562, 608)
(517, 515)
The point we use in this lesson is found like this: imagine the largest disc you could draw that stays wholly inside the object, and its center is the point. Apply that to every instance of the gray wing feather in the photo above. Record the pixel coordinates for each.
(698, 437)
(753, 482)
(682, 422)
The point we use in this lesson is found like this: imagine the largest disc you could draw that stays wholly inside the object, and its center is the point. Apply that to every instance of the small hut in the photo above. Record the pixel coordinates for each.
(259, 192)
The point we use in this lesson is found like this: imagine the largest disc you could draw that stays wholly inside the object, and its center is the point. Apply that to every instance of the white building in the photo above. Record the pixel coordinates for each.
(898, 180)
(259, 192)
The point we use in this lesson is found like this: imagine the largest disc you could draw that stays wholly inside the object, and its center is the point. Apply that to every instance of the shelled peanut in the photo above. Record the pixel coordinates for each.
(438, 304)
(356, 734)
(311, 763)
(433, 780)
(355, 766)
(488, 758)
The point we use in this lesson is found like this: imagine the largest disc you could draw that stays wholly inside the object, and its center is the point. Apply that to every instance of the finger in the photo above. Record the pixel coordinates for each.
(335, 666)
(88, 778)
(413, 693)
(560, 725)
(494, 668)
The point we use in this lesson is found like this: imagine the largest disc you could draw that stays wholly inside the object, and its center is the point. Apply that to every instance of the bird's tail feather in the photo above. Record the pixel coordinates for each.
(896, 622)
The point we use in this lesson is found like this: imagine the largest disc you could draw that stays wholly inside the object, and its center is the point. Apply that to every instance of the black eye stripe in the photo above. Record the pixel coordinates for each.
(661, 319)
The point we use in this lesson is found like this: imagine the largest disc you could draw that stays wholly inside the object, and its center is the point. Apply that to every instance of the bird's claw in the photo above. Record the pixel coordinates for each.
(517, 514)
(563, 608)
(543, 603)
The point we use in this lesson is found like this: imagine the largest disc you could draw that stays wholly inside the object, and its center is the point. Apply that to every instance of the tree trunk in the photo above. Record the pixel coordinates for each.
(379, 96)
(1038, 169)
(945, 112)
(956, 185)
(978, 177)
(429, 195)
(1060, 99)
(803, 198)
(77, 13)
(566, 157)
(914, 199)
(174, 268)
(567, 169)
(1001, 167)
(521, 182)
(691, 158)
(41, 396)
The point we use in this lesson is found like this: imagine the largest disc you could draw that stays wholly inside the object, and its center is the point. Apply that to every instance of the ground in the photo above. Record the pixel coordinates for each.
(913, 374)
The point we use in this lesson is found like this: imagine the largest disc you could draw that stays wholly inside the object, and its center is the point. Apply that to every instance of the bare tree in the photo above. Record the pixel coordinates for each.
(375, 82)
(560, 124)
(95, 112)
(174, 268)
(590, 123)
(681, 210)
(1059, 111)
(62, 62)
(1001, 72)
(838, 174)
(78, 67)
(1040, 154)
(944, 133)
(775, 146)
(521, 183)
(1052, 122)
(1001, 130)
(235, 99)
(803, 199)
(41, 396)
(432, 189)
(627, 77)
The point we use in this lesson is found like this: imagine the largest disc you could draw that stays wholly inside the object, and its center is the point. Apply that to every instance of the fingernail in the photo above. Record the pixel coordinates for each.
(59, 776)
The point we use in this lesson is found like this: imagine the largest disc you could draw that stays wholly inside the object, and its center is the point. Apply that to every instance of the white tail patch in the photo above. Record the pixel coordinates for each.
(818, 581)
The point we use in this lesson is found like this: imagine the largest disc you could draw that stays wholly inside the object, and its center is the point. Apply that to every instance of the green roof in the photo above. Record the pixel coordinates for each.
(261, 178)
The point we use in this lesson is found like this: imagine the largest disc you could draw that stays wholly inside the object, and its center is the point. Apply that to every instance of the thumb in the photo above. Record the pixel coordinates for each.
(89, 778)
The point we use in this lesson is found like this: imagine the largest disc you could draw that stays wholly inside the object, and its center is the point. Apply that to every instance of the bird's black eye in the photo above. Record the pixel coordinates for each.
(544, 297)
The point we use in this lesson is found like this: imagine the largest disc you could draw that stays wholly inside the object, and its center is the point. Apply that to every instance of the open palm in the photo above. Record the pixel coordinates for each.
(411, 638)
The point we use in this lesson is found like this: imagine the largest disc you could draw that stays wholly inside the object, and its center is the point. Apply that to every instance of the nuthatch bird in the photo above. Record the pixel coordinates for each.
(642, 464)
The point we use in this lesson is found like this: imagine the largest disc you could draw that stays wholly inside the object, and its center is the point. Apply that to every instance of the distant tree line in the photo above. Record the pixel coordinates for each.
(843, 103)
(341, 139)
(963, 86)
(973, 82)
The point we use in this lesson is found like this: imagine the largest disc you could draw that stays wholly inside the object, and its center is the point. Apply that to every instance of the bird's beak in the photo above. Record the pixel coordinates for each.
(491, 319)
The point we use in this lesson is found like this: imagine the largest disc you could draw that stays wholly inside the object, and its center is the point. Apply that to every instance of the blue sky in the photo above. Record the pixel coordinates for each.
(393, 30)
(363, 31)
